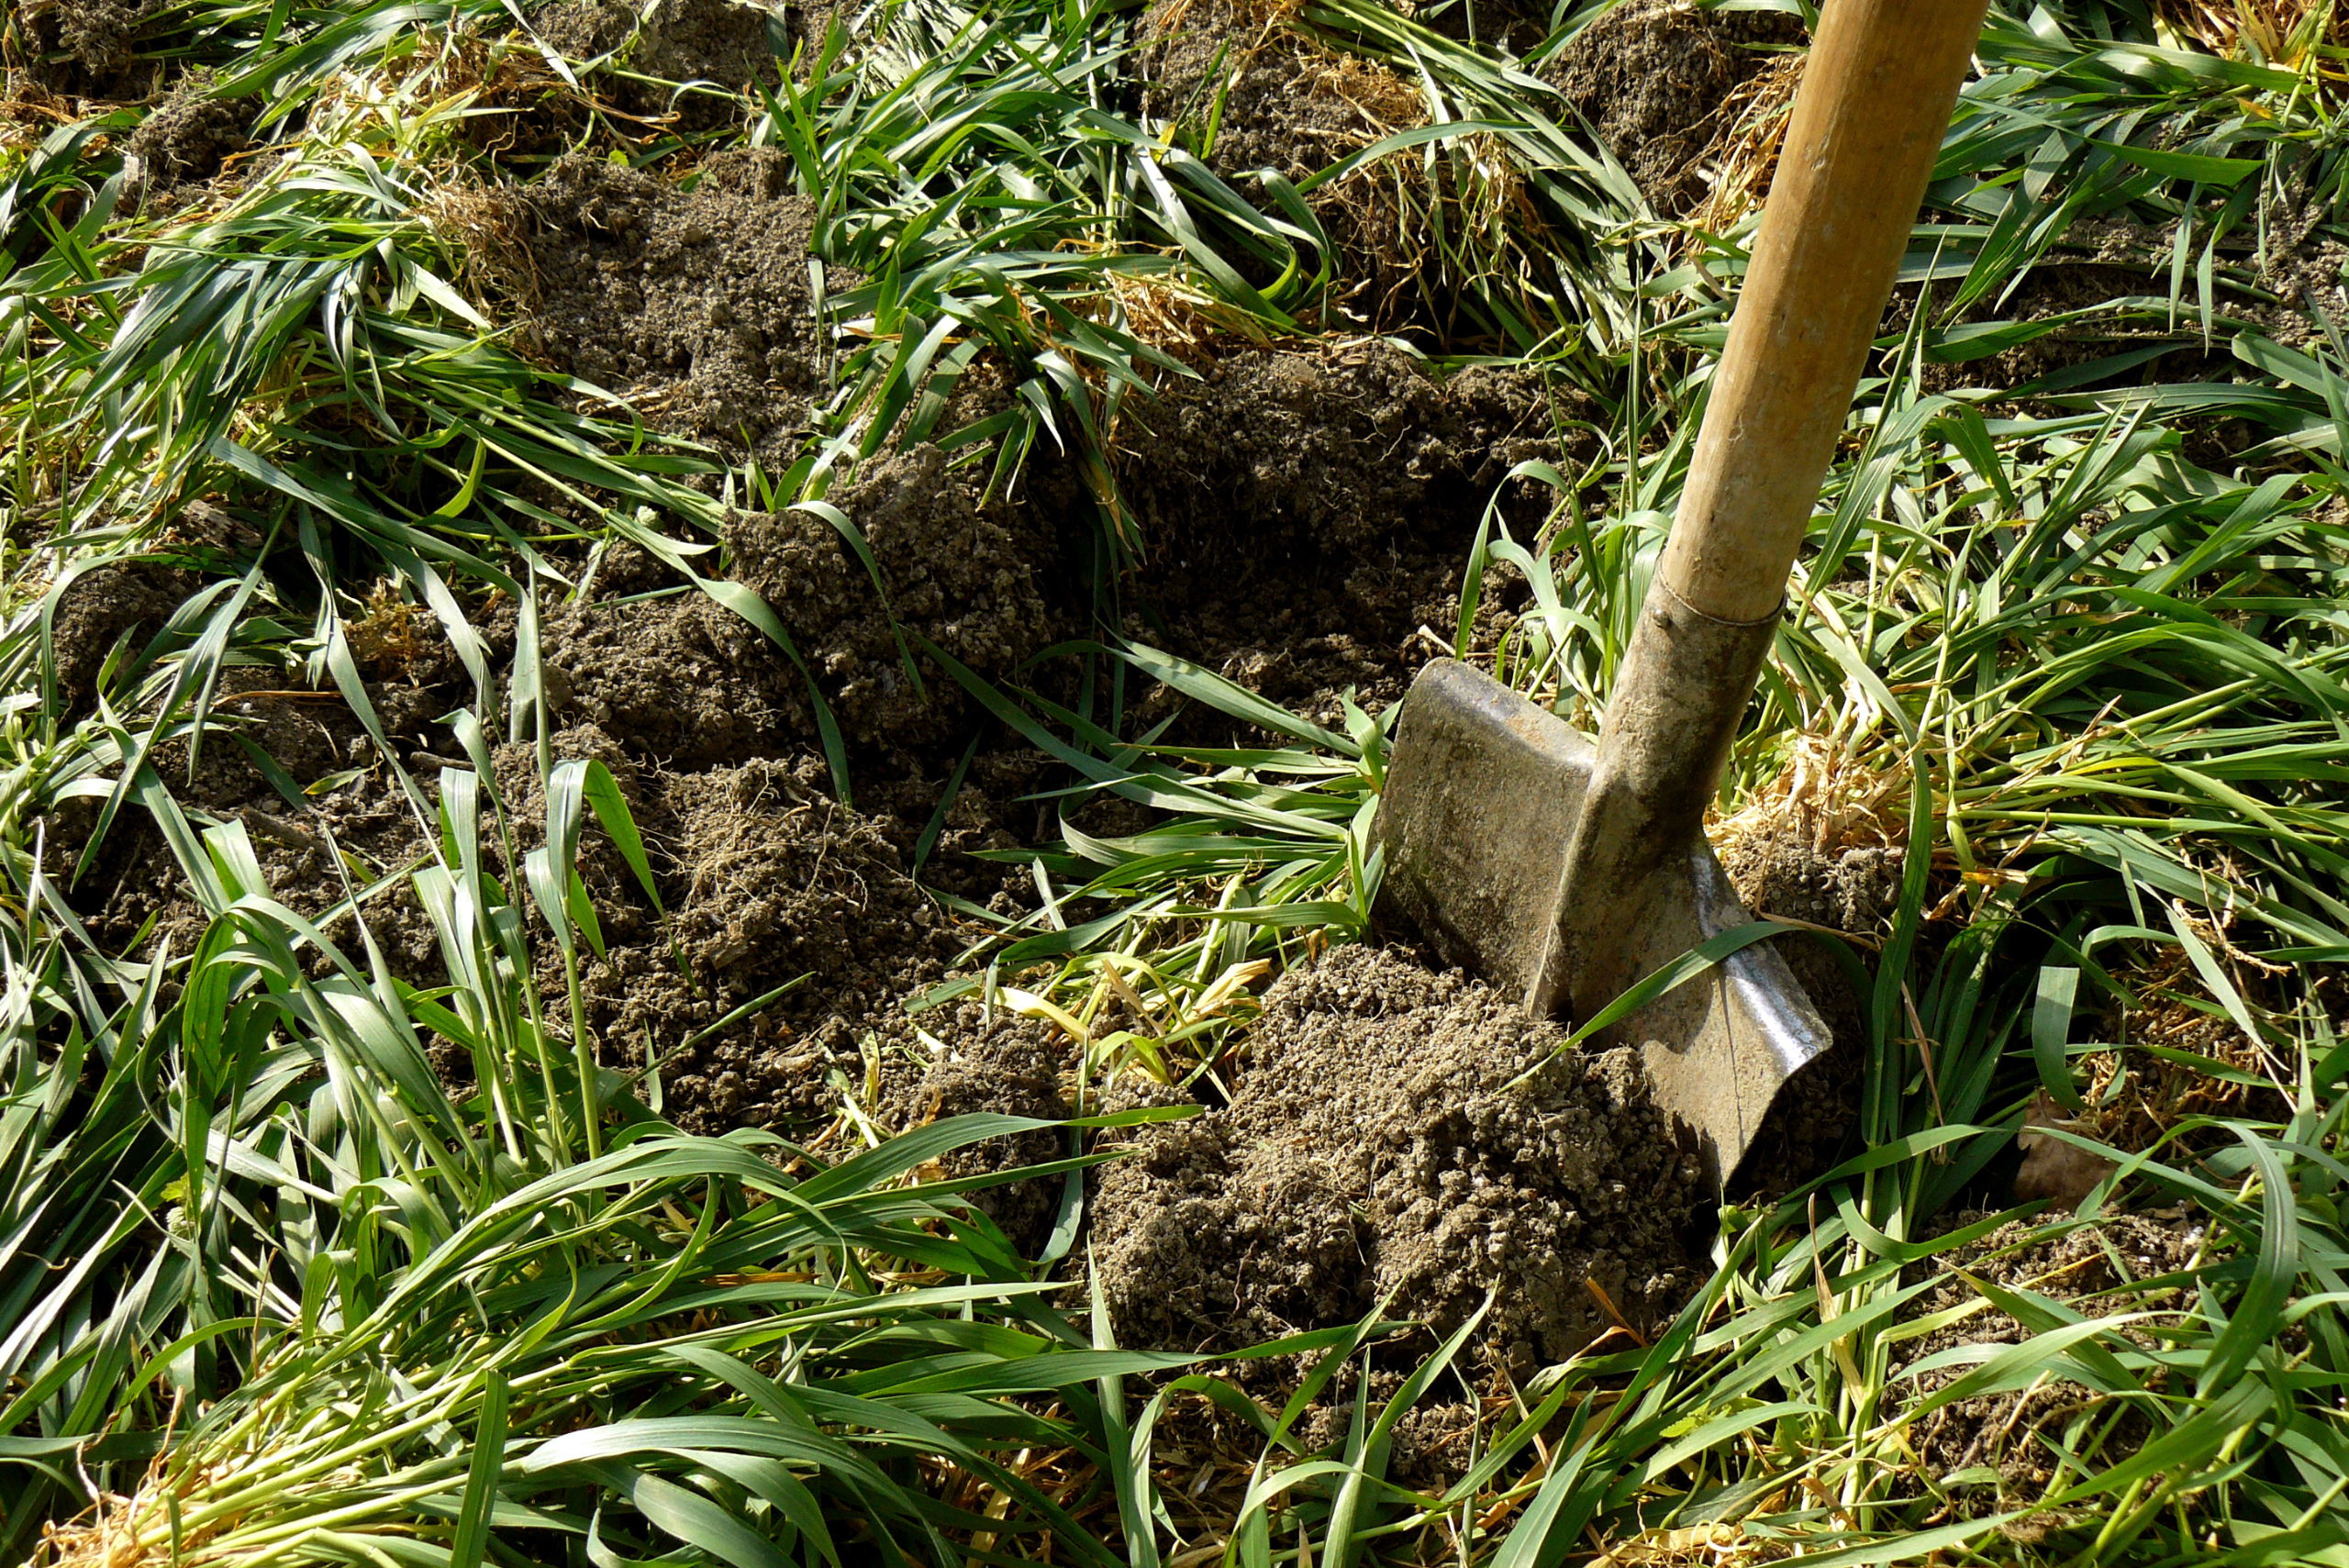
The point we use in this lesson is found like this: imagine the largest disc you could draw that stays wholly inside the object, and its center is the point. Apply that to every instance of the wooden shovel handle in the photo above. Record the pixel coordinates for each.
(1868, 124)
(1876, 97)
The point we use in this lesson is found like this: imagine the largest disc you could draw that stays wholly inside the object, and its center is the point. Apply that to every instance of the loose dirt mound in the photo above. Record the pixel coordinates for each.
(2012, 1433)
(778, 880)
(1278, 100)
(1375, 1144)
(1309, 509)
(678, 677)
(1656, 78)
(723, 43)
(96, 610)
(366, 821)
(693, 305)
(982, 581)
(82, 48)
(1011, 1066)
(187, 139)
(681, 679)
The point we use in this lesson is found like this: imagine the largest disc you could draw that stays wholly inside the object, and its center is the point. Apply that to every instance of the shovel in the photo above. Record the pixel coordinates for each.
(1523, 852)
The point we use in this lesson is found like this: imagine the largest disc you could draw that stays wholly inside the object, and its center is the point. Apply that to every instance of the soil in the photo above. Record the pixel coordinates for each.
(1656, 78)
(1779, 871)
(1310, 509)
(2090, 1267)
(678, 680)
(1278, 100)
(1375, 1147)
(135, 880)
(2061, 286)
(985, 582)
(693, 305)
(81, 48)
(773, 880)
(724, 44)
(100, 608)
(188, 138)
(1008, 1065)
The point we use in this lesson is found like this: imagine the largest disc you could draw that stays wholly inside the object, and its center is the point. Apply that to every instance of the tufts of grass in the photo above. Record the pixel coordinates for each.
(275, 1290)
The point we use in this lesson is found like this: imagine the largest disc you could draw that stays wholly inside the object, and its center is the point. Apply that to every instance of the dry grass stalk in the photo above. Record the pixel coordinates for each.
(1837, 795)
(2277, 32)
(489, 230)
(1747, 159)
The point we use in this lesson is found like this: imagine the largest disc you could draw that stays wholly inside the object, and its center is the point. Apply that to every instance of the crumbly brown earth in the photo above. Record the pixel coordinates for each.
(1378, 1147)
(187, 139)
(985, 582)
(130, 604)
(2090, 1268)
(81, 48)
(694, 305)
(779, 881)
(1278, 101)
(724, 46)
(972, 1062)
(1306, 510)
(1656, 78)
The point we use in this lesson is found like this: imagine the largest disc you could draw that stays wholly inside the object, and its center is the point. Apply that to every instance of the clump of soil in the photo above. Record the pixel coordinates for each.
(1011, 1066)
(81, 48)
(188, 138)
(676, 676)
(729, 43)
(778, 880)
(681, 679)
(2011, 1433)
(1307, 509)
(1853, 889)
(1280, 101)
(95, 611)
(694, 305)
(1656, 78)
(974, 576)
(135, 880)
(1376, 1143)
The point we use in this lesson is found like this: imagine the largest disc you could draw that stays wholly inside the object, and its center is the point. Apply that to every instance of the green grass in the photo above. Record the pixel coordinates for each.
(274, 1292)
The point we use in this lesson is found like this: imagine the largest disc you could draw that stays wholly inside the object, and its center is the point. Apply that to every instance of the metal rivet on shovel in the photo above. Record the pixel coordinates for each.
(1520, 850)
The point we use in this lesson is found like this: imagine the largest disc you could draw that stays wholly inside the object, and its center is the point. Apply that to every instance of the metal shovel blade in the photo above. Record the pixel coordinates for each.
(1482, 792)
